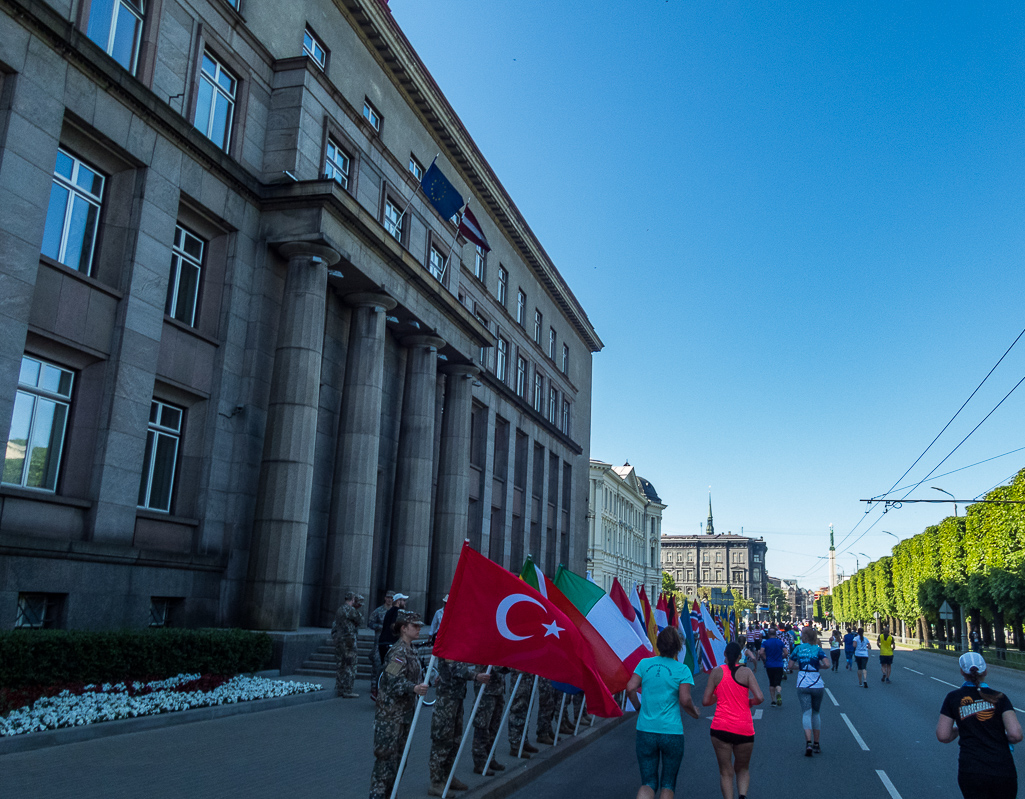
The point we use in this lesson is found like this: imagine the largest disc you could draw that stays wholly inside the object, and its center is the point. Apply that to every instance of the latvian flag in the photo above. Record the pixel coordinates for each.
(470, 229)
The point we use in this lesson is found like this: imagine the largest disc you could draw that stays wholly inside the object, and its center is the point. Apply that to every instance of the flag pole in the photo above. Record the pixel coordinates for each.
(452, 246)
(501, 724)
(580, 716)
(558, 726)
(526, 723)
(466, 734)
(413, 195)
(409, 735)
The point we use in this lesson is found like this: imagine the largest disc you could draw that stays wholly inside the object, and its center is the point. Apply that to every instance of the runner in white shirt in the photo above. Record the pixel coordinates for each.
(861, 647)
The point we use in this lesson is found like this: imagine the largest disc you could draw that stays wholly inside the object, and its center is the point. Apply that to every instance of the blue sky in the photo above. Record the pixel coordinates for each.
(797, 228)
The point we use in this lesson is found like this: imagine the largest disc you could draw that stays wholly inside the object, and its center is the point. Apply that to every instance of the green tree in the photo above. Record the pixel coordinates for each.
(740, 603)
(669, 584)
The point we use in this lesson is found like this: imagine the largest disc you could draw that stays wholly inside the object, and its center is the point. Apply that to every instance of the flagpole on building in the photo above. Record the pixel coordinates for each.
(580, 715)
(413, 195)
(409, 736)
(558, 726)
(466, 734)
(526, 724)
(501, 724)
(452, 246)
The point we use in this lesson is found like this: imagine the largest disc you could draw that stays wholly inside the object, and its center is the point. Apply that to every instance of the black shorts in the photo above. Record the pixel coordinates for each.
(987, 786)
(775, 675)
(731, 737)
(884, 659)
(862, 662)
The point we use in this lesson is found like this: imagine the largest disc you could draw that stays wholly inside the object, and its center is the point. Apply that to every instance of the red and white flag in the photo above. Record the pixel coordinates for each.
(618, 595)
(470, 229)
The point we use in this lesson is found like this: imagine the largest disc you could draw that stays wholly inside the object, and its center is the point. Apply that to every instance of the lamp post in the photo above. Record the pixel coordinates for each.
(889, 533)
(934, 488)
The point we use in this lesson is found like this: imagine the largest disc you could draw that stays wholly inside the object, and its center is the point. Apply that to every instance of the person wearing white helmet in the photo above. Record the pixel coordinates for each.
(986, 726)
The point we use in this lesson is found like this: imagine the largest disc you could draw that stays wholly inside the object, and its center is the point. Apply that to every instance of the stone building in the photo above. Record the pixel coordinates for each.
(624, 520)
(245, 364)
(717, 560)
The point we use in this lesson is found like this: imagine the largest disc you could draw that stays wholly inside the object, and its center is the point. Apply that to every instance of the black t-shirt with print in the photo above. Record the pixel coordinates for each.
(984, 747)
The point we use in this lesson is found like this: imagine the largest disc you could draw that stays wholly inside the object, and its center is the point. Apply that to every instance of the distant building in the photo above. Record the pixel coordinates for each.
(724, 561)
(624, 521)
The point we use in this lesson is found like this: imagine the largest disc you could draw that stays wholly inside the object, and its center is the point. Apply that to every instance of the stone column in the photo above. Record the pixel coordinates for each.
(453, 479)
(350, 536)
(278, 549)
(411, 520)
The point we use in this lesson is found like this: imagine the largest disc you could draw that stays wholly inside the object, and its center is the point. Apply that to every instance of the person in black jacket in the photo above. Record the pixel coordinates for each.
(388, 636)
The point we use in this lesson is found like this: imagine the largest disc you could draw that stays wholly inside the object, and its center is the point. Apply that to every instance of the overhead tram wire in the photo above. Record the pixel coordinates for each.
(969, 466)
(1006, 479)
(952, 418)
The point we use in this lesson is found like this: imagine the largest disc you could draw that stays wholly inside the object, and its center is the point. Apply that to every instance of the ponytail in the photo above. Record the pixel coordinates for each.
(990, 696)
(732, 655)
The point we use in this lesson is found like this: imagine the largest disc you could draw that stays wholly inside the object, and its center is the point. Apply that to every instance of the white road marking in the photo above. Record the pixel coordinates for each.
(943, 681)
(832, 698)
(757, 714)
(854, 732)
(916, 672)
(887, 784)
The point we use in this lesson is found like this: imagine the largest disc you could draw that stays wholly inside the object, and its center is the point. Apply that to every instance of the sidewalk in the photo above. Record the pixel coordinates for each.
(316, 749)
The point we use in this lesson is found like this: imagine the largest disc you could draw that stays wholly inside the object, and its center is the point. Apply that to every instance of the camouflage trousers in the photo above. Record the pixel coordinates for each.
(375, 666)
(389, 741)
(518, 711)
(486, 726)
(345, 652)
(547, 707)
(446, 730)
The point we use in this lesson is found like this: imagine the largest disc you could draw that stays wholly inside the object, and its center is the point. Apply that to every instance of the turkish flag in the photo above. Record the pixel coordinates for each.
(494, 618)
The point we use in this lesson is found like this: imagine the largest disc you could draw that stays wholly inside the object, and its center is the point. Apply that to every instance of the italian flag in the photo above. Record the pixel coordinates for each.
(604, 616)
(610, 666)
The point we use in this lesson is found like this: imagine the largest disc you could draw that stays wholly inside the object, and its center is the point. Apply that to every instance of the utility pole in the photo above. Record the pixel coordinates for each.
(832, 563)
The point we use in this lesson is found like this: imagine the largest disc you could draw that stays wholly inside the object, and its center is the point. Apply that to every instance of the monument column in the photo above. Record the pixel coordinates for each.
(278, 548)
(450, 513)
(350, 537)
(411, 520)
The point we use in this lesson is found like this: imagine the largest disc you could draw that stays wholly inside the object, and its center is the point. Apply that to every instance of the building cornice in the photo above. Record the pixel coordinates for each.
(373, 21)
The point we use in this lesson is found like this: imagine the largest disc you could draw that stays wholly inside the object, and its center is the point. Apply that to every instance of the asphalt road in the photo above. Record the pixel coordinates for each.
(876, 742)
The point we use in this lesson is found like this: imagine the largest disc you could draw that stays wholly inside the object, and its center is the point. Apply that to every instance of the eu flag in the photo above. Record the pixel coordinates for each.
(442, 194)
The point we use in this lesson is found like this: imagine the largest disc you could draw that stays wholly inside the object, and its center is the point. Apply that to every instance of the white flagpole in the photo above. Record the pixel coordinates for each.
(409, 736)
(452, 246)
(558, 726)
(466, 734)
(580, 715)
(501, 724)
(413, 195)
(526, 723)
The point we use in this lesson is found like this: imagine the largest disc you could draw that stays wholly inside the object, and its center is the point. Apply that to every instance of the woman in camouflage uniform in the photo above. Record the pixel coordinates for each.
(401, 684)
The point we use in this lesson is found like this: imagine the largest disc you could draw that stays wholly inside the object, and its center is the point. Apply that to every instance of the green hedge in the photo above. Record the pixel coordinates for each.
(48, 657)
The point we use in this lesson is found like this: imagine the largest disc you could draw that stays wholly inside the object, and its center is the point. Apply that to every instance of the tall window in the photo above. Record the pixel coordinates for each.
(39, 611)
(415, 167)
(314, 49)
(371, 115)
(116, 26)
(551, 343)
(483, 353)
(215, 106)
(565, 359)
(337, 163)
(539, 388)
(503, 285)
(553, 403)
(538, 325)
(521, 307)
(393, 219)
(521, 375)
(73, 214)
(565, 417)
(37, 425)
(437, 262)
(186, 267)
(479, 264)
(165, 427)
(503, 354)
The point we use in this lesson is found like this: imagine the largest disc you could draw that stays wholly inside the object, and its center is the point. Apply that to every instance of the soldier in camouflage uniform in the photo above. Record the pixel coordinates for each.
(518, 718)
(396, 700)
(343, 633)
(376, 624)
(447, 720)
(546, 710)
(488, 721)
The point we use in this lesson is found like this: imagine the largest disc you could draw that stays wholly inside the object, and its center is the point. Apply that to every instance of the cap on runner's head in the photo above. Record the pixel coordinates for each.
(972, 661)
(399, 596)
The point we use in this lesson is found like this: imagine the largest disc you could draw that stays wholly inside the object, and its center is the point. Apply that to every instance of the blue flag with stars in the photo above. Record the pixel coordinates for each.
(441, 194)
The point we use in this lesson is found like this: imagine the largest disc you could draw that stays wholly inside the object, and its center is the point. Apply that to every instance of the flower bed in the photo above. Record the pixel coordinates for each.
(77, 705)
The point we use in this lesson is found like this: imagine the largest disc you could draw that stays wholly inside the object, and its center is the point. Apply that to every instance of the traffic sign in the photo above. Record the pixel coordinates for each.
(946, 612)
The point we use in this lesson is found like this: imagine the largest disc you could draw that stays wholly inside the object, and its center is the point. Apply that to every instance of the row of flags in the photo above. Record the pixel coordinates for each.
(567, 629)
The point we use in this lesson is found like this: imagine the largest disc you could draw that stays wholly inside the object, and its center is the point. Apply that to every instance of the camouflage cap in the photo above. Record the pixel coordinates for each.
(349, 595)
(409, 617)
(359, 599)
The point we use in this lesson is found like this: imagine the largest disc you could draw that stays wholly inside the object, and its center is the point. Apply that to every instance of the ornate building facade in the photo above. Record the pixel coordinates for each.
(328, 388)
(717, 560)
(624, 519)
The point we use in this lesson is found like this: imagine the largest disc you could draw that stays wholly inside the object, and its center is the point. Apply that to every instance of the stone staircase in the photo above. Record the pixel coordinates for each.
(322, 662)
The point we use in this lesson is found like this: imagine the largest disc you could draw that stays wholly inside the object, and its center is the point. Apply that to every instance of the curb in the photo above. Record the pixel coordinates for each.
(28, 742)
(516, 777)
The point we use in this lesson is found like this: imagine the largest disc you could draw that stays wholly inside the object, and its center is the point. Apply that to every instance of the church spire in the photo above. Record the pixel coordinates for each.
(709, 527)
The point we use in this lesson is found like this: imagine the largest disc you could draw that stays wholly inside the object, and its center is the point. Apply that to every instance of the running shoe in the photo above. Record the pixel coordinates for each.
(808, 750)
(779, 700)
(817, 749)
(866, 683)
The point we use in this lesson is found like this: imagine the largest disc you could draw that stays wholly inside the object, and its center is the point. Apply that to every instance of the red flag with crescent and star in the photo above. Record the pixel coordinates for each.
(494, 618)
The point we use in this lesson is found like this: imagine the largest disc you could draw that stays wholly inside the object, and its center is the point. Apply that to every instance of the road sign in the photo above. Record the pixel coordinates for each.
(946, 612)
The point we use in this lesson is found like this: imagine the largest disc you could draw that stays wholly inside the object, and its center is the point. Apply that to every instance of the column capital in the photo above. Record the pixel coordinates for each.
(423, 341)
(457, 369)
(370, 299)
(300, 249)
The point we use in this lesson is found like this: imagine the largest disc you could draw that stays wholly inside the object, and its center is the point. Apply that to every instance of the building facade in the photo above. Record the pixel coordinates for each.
(717, 560)
(624, 520)
(327, 389)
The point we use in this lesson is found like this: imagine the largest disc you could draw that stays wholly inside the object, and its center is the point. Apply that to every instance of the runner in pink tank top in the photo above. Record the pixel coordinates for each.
(733, 690)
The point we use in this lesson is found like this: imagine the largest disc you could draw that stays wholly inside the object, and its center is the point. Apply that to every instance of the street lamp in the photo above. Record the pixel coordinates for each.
(934, 488)
(857, 563)
(889, 533)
